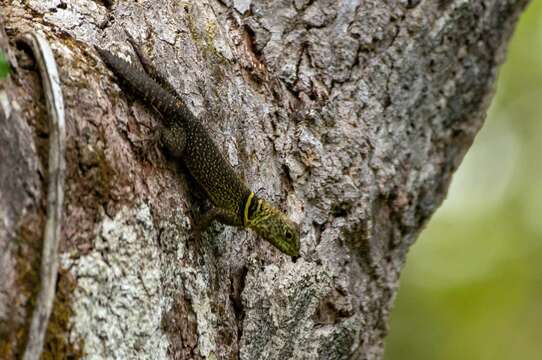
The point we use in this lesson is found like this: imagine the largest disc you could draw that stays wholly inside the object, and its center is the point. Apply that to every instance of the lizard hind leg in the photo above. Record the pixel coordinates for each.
(173, 138)
(149, 68)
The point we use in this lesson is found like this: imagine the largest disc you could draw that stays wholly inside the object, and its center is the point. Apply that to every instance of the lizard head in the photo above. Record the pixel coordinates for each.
(273, 225)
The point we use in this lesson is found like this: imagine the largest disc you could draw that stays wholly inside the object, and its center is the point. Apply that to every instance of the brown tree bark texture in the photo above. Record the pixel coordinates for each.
(350, 115)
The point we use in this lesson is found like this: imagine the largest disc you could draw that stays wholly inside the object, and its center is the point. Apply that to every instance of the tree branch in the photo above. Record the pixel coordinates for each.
(55, 194)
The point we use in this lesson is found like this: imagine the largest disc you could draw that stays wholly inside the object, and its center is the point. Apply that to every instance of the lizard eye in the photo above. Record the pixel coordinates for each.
(289, 235)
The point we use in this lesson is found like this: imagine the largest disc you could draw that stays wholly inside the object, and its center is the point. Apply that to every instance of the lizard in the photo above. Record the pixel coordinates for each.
(185, 137)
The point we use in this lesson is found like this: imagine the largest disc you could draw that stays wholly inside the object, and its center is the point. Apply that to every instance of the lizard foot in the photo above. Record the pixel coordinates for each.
(148, 66)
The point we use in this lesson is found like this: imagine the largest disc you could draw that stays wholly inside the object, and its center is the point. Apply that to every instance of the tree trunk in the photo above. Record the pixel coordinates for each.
(349, 115)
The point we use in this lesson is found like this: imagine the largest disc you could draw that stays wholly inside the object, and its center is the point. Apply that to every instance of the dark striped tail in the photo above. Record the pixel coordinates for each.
(143, 85)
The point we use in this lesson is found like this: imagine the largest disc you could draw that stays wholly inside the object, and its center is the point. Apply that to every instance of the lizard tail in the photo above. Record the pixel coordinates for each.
(145, 86)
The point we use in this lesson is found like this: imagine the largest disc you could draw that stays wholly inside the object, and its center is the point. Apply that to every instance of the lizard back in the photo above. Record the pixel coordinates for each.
(201, 155)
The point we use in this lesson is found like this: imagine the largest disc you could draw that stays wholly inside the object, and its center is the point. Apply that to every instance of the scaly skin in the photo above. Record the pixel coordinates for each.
(235, 204)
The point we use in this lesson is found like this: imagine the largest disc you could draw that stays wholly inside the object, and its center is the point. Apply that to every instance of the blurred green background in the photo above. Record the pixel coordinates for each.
(472, 285)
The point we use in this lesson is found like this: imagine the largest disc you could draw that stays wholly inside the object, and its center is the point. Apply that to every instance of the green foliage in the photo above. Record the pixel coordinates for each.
(4, 66)
(472, 286)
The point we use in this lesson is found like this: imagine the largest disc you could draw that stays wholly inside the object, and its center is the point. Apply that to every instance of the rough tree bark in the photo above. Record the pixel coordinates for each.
(351, 115)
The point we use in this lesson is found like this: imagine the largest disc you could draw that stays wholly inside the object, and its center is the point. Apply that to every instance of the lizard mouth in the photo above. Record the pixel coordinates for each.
(291, 249)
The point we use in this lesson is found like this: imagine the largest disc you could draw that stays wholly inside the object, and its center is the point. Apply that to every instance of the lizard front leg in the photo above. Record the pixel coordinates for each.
(221, 215)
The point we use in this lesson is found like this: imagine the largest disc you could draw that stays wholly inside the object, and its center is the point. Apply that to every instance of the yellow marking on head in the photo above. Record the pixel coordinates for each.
(247, 206)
